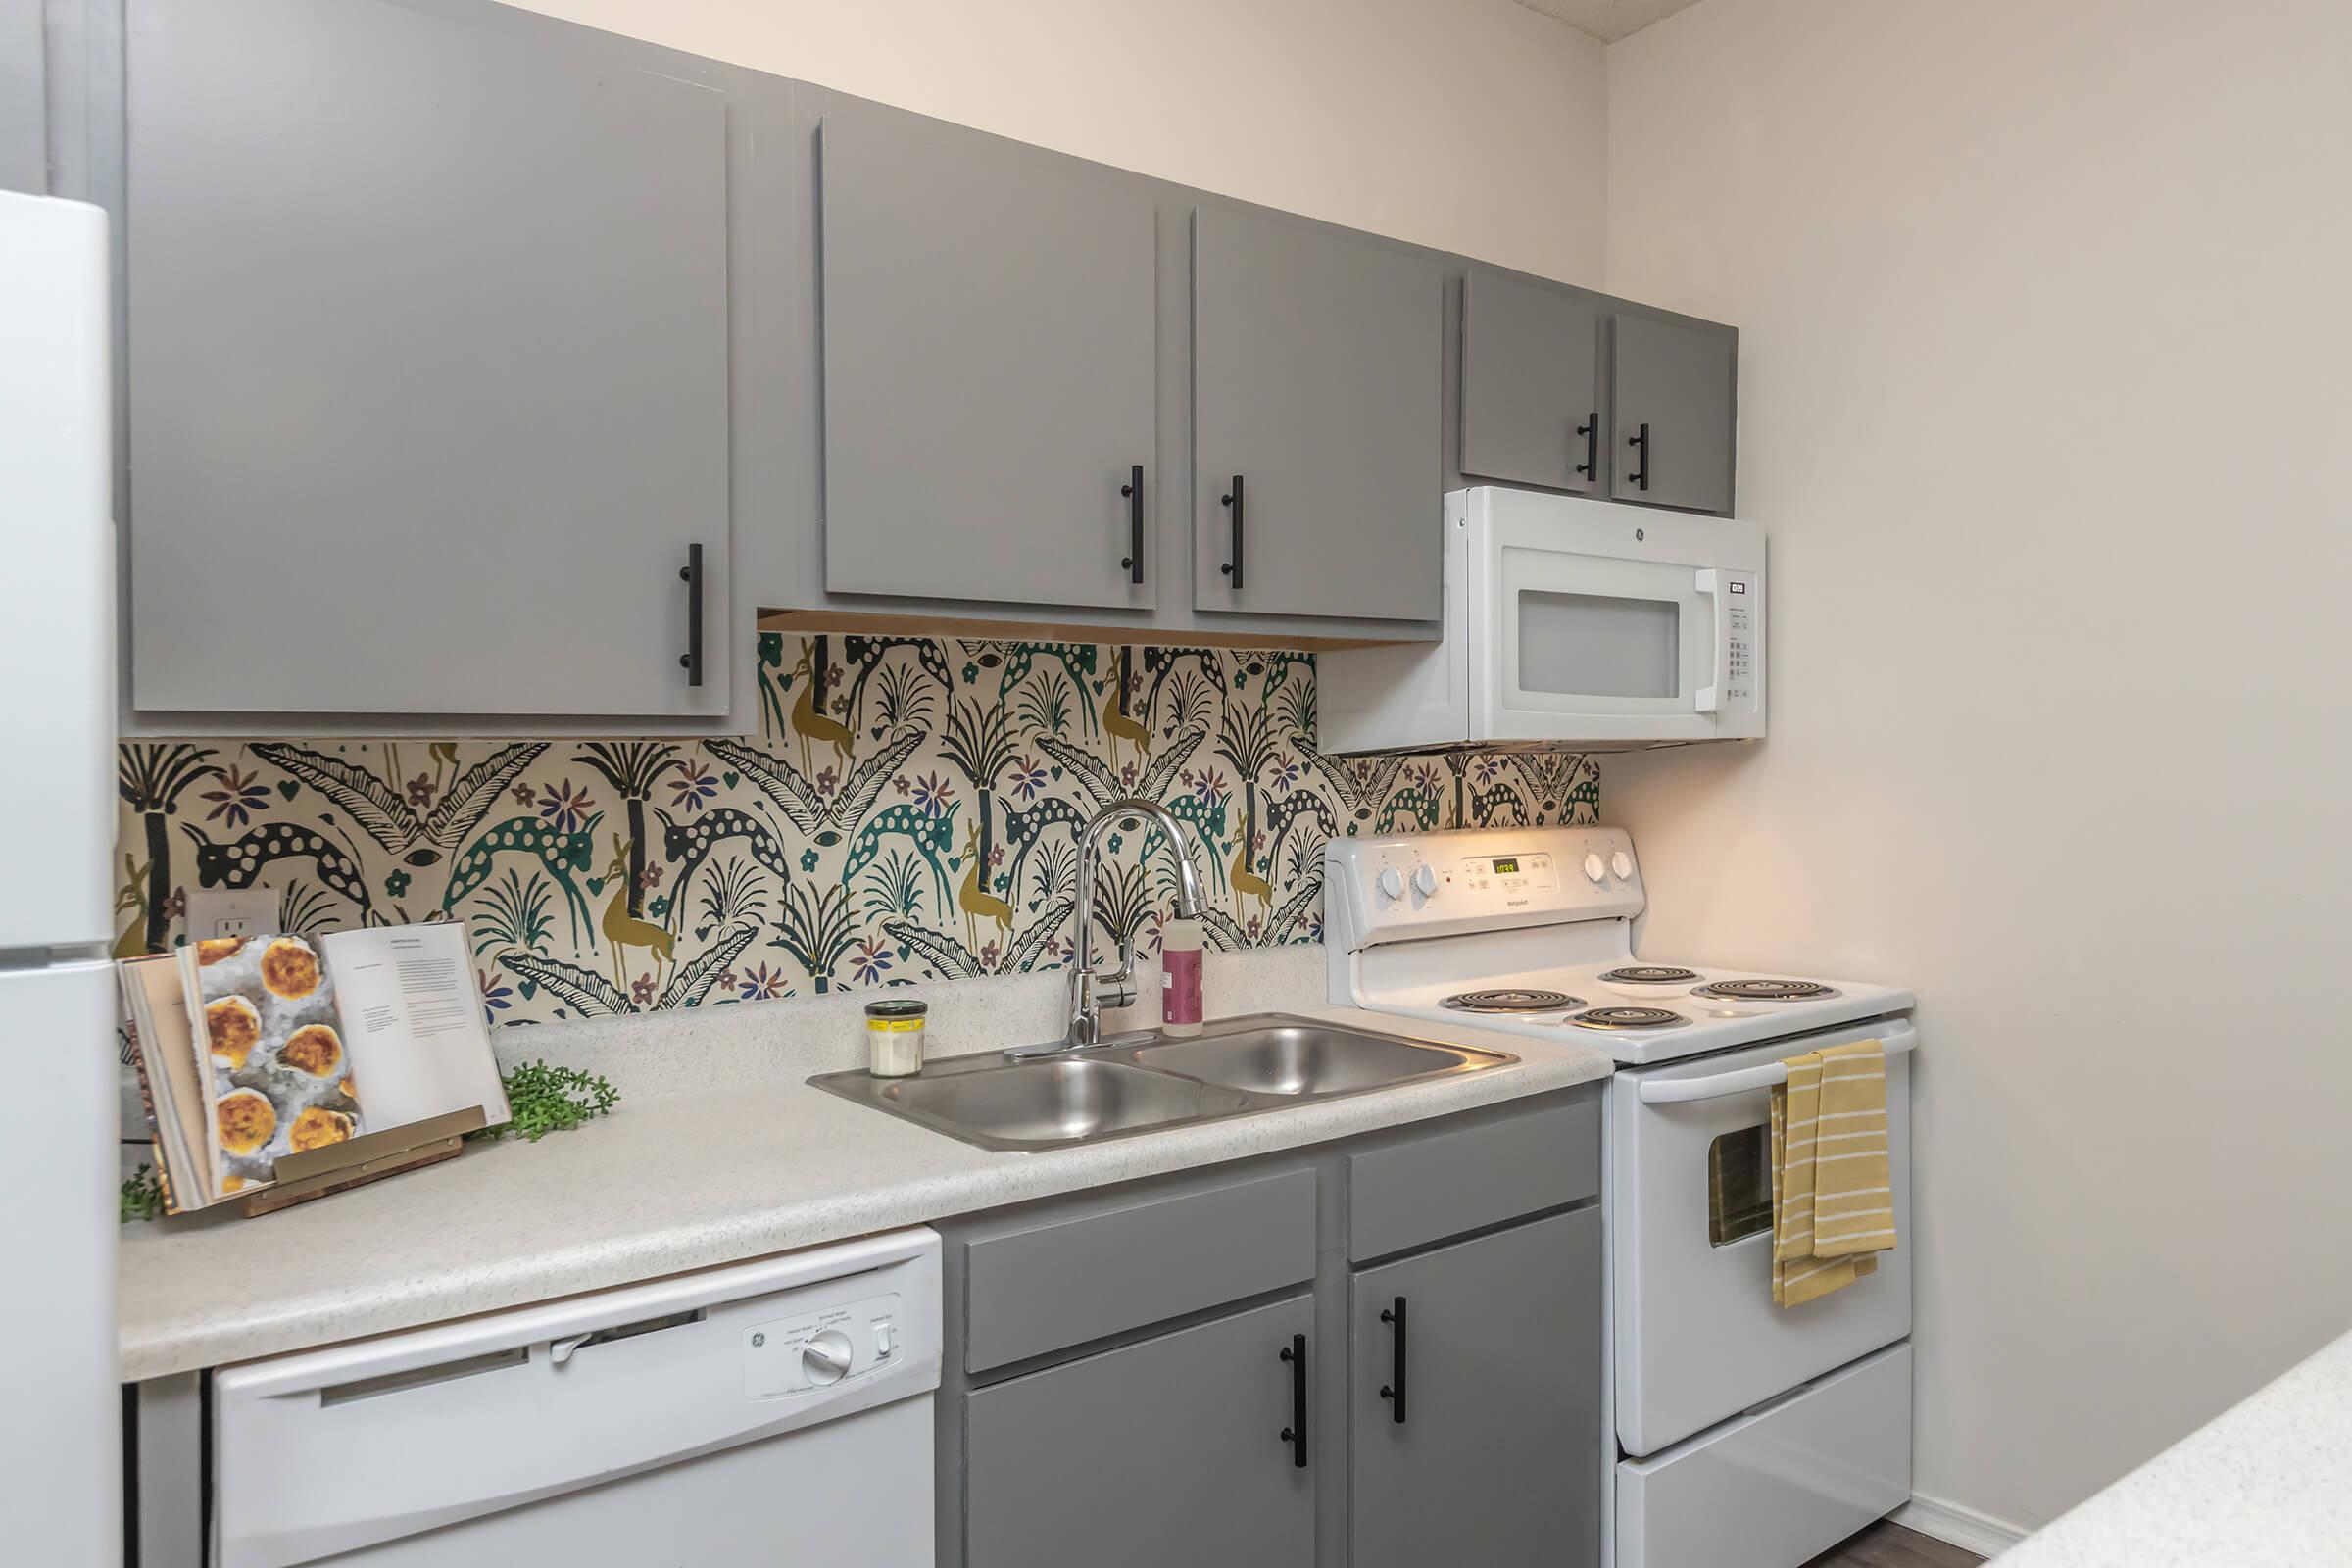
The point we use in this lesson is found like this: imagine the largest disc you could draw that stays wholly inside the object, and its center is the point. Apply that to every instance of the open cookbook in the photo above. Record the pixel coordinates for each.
(255, 1050)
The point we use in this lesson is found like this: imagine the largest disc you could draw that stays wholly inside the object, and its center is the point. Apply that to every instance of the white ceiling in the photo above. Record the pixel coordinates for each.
(1607, 19)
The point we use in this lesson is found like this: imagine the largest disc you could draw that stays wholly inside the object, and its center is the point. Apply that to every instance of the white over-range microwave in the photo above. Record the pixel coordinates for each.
(1568, 623)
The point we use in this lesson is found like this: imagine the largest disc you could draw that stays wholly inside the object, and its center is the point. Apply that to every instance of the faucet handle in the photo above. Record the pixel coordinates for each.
(1114, 988)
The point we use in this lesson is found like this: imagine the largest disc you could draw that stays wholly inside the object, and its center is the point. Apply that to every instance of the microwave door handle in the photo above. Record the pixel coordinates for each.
(1710, 697)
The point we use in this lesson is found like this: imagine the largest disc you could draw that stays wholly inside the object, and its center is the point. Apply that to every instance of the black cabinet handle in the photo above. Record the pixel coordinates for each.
(1393, 1391)
(1590, 431)
(1233, 499)
(1296, 1433)
(1132, 562)
(690, 575)
(1641, 443)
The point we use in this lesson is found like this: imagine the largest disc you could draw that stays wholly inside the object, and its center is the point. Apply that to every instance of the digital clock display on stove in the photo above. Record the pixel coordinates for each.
(1509, 868)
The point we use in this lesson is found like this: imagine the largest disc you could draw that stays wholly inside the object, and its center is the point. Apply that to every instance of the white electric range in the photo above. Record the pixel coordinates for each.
(1742, 1432)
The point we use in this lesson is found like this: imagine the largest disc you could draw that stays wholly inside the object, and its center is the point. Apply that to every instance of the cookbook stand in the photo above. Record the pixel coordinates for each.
(370, 1156)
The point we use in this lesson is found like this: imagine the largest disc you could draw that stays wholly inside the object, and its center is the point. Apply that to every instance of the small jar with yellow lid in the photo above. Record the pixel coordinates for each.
(894, 1037)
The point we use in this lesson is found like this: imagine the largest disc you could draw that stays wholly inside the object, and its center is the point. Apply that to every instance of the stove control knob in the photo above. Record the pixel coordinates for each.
(1596, 871)
(1425, 881)
(1623, 864)
(826, 1357)
(1390, 882)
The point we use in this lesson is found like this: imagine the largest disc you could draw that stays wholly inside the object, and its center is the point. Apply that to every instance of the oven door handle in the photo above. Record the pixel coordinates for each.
(1710, 697)
(1680, 1091)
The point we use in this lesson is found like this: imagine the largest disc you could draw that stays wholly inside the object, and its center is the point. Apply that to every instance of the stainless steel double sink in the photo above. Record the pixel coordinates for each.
(1150, 1081)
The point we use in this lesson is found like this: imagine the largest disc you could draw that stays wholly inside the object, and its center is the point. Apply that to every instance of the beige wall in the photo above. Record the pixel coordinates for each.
(1475, 125)
(2047, 318)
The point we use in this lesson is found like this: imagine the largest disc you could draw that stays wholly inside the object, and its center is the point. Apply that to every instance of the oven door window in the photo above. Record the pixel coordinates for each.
(1740, 1186)
(1598, 645)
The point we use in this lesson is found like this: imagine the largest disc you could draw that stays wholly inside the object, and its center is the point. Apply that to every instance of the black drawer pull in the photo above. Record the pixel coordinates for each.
(1132, 562)
(1590, 431)
(1233, 499)
(690, 575)
(1641, 443)
(1296, 1433)
(1393, 1391)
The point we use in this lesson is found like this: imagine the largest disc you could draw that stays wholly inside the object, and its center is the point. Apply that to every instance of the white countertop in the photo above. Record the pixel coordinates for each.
(675, 1182)
(2267, 1484)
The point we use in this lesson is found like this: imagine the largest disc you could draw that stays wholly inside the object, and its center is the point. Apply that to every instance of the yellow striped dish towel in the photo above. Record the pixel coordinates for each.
(1833, 1203)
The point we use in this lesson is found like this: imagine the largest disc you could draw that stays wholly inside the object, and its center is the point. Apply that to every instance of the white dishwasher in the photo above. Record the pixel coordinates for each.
(774, 1413)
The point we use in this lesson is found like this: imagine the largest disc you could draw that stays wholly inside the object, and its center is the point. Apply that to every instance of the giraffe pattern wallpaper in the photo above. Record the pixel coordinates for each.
(907, 813)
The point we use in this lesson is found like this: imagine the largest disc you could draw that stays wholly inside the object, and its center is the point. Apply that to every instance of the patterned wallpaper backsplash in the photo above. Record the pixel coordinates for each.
(905, 814)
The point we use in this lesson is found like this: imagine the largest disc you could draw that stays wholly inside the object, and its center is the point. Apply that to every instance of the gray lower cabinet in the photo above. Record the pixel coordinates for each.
(1475, 1427)
(991, 398)
(1673, 401)
(1318, 376)
(1167, 1453)
(427, 369)
(1122, 1382)
(1532, 382)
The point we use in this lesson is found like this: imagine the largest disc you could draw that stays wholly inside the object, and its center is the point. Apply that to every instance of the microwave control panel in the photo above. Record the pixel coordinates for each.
(1739, 640)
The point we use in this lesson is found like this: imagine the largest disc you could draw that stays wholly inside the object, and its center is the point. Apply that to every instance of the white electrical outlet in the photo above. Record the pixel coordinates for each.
(231, 911)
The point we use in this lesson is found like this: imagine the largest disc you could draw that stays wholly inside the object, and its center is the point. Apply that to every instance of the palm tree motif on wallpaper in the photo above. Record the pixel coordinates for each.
(152, 779)
(1246, 739)
(634, 769)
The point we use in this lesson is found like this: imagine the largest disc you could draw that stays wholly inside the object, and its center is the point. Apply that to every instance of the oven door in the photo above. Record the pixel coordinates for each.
(1699, 1339)
(1613, 623)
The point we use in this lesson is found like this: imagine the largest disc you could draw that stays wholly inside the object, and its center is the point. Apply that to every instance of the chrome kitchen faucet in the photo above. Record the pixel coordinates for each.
(1090, 992)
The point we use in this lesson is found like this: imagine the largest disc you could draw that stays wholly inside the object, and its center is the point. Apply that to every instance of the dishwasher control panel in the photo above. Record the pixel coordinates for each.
(821, 1347)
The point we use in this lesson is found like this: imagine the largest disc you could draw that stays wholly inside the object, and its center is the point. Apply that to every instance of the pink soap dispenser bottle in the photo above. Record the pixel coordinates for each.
(1180, 943)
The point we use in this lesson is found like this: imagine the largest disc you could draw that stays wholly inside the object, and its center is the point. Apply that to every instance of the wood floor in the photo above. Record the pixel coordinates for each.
(1886, 1546)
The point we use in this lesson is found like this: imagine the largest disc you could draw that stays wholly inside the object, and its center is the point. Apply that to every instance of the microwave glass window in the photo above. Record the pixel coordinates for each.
(1739, 1186)
(1598, 645)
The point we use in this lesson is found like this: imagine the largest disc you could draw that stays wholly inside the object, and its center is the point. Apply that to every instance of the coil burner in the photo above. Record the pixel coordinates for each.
(1651, 974)
(1627, 1018)
(1765, 991)
(1512, 1000)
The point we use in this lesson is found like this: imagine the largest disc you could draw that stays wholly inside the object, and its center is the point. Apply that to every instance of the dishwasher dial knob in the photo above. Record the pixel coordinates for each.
(826, 1357)
(1392, 883)
(1623, 864)
(1425, 881)
(1595, 870)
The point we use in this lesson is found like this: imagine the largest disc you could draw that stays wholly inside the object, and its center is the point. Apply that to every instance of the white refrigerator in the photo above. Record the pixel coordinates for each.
(61, 1478)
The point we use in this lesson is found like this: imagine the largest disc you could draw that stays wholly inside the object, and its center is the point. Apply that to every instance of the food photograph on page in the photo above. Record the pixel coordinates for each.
(280, 1079)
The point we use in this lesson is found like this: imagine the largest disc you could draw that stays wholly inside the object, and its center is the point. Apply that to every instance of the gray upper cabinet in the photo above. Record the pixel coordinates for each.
(1168, 1454)
(1674, 392)
(1494, 1347)
(1318, 384)
(990, 367)
(1531, 382)
(427, 369)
